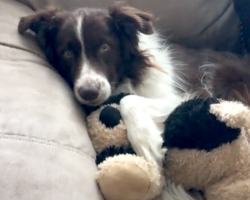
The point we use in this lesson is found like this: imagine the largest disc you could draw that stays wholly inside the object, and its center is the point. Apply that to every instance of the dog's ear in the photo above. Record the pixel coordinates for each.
(42, 21)
(131, 20)
(45, 24)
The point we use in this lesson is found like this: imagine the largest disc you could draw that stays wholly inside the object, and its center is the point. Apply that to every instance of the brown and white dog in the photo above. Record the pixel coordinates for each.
(101, 52)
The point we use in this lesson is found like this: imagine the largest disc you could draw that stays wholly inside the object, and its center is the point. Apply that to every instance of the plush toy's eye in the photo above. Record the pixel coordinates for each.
(104, 48)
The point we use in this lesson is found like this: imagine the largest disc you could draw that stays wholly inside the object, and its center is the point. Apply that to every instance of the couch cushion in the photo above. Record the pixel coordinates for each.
(44, 146)
(37, 169)
(197, 23)
(193, 23)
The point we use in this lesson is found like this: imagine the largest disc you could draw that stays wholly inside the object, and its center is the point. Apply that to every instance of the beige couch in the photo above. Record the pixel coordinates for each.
(45, 151)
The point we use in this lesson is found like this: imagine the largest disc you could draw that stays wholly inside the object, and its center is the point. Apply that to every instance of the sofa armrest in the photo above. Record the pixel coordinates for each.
(45, 150)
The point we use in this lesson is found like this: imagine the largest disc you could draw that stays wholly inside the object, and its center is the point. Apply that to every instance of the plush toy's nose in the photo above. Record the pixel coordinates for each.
(110, 116)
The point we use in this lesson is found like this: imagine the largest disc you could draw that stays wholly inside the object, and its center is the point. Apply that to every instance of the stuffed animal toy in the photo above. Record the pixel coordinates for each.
(208, 145)
(122, 175)
(208, 150)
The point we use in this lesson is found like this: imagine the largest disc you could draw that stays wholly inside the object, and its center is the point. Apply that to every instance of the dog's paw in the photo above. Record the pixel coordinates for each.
(143, 134)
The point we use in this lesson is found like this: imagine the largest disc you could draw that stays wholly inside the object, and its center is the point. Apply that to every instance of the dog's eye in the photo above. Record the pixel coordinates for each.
(104, 48)
(68, 54)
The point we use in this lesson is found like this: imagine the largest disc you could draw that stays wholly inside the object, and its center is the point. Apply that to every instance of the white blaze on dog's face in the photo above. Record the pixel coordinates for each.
(91, 85)
(94, 50)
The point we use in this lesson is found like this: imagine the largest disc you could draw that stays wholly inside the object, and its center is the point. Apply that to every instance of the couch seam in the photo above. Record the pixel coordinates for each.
(21, 48)
(48, 66)
(216, 19)
(48, 143)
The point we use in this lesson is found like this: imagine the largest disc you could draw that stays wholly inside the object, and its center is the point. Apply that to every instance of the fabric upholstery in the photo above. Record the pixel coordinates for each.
(193, 23)
(45, 150)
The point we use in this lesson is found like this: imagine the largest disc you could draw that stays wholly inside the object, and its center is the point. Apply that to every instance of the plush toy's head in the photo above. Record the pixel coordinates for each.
(208, 148)
(106, 128)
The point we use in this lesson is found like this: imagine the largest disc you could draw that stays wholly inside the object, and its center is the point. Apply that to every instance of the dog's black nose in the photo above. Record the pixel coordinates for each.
(89, 93)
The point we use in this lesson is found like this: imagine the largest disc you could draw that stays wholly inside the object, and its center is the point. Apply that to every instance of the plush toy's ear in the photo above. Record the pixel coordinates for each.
(106, 129)
(111, 100)
(115, 99)
(131, 20)
(234, 114)
(110, 116)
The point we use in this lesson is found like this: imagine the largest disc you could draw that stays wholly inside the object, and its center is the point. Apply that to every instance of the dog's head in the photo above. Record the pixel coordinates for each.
(93, 49)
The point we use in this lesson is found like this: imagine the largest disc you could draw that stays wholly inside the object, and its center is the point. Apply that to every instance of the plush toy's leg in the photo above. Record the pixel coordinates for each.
(129, 177)
(229, 190)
